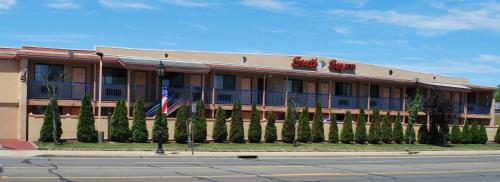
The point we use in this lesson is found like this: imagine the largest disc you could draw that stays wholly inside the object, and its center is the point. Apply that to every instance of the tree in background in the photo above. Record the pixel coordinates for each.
(413, 109)
(160, 127)
(374, 132)
(318, 131)
(139, 129)
(433, 133)
(397, 132)
(333, 134)
(200, 123)
(288, 131)
(270, 136)
(497, 97)
(360, 136)
(304, 130)
(347, 135)
(455, 135)
(423, 133)
(254, 129)
(466, 134)
(181, 126)
(474, 133)
(386, 129)
(483, 135)
(236, 134)
(119, 131)
(441, 111)
(220, 127)
(85, 131)
(497, 135)
(51, 114)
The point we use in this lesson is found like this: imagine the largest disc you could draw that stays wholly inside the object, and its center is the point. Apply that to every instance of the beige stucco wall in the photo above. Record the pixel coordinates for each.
(9, 98)
(8, 121)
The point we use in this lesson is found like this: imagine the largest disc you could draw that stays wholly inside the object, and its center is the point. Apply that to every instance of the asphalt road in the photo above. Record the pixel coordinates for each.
(400, 168)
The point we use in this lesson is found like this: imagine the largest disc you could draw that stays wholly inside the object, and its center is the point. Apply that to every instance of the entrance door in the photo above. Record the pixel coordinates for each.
(79, 87)
(246, 93)
(139, 85)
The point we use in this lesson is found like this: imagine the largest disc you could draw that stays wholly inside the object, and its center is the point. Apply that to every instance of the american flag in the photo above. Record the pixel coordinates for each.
(164, 99)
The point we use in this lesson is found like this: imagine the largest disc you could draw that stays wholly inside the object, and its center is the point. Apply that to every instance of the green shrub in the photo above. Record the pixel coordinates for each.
(288, 131)
(119, 131)
(347, 135)
(410, 133)
(220, 127)
(200, 123)
(423, 133)
(397, 132)
(139, 129)
(497, 135)
(333, 134)
(85, 131)
(455, 135)
(270, 136)
(318, 131)
(386, 129)
(160, 127)
(254, 129)
(181, 126)
(483, 135)
(304, 130)
(475, 134)
(236, 134)
(361, 136)
(51, 113)
(466, 134)
(374, 132)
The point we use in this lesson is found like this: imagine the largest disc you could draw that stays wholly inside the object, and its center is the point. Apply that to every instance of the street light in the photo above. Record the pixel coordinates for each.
(160, 70)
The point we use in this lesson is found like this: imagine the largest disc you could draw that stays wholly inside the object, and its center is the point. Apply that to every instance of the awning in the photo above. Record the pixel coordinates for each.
(170, 65)
(446, 86)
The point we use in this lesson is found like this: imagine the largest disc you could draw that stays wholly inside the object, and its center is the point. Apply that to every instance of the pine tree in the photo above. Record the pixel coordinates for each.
(455, 135)
(347, 135)
(304, 130)
(360, 136)
(119, 131)
(333, 134)
(160, 127)
(397, 132)
(374, 131)
(475, 135)
(200, 123)
(220, 127)
(466, 134)
(423, 133)
(139, 129)
(236, 134)
(85, 131)
(46, 132)
(483, 134)
(497, 135)
(386, 129)
(254, 129)
(288, 131)
(181, 126)
(410, 133)
(270, 136)
(318, 131)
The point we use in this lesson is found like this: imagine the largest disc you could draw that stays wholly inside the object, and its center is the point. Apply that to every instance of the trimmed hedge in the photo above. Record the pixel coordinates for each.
(288, 131)
(119, 129)
(397, 132)
(360, 136)
(139, 129)
(270, 136)
(200, 123)
(181, 126)
(347, 135)
(318, 131)
(374, 132)
(455, 135)
(255, 129)
(333, 134)
(236, 134)
(423, 133)
(160, 127)
(51, 114)
(386, 129)
(220, 126)
(85, 131)
(304, 130)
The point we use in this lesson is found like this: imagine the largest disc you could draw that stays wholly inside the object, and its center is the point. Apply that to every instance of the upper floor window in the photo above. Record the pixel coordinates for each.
(114, 76)
(49, 72)
(374, 91)
(226, 82)
(343, 89)
(295, 86)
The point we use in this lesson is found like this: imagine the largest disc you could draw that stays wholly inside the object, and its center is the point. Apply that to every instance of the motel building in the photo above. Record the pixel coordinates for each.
(217, 78)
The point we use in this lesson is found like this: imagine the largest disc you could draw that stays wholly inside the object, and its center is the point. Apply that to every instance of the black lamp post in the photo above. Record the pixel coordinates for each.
(160, 70)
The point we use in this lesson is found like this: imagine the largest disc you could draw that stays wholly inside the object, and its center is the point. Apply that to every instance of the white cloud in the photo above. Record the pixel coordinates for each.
(190, 3)
(489, 58)
(483, 16)
(374, 42)
(64, 4)
(449, 66)
(342, 29)
(272, 30)
(7, 4)
(196, 26)
(271, 5)
(125, 4)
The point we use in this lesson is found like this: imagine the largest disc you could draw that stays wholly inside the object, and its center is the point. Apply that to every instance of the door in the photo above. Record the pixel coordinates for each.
(195, 82)
(246, 91)
(139, 88)
(79, 87)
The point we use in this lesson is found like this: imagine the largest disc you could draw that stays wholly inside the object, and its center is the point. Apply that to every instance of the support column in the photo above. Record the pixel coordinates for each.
(264, 98)
(492, 111)
(22, 111)
(128, 93)
(404, 103)
(369, 100)
(157, 92)
(330, 94)
(213, 94)
(203, 88)
(428, 116)
(465, 107)
(94, 94)
(286, 91)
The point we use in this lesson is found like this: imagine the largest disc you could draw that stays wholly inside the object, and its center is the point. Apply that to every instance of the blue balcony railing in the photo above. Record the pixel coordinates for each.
(309, 99)
(63, 90)
(394, 104)
(246, 97)
(275, 98)
(112, 92)
(459, 107)
(478, 109)
(345, 102)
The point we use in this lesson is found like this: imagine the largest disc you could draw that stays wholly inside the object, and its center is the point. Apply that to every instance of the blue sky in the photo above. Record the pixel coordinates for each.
(449, 37)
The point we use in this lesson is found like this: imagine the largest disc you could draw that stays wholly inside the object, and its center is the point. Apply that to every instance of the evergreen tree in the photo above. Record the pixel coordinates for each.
(304, 130)
(318, 131)
(254, 129)
(160, 127)
(119, 131)
(200, 123)
(466, 134)
(423, 133)
(397, 132)
(455, 136)
(46, 132)
(386, 129)
(361, 136)
(434, 137)
(410, 133)
(85, 131)
(333, 134)
(374, 132)
(271, 136)
(139, 129)
(347, 135)
(236, 134)
(220, 127)
(474, 133)
(288, 131)
(181, 126)
(497, 135)
(483, 134)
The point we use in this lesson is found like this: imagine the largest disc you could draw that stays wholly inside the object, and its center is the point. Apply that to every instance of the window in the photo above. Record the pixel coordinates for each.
(374, 91)
(51, 72)
(175, 80)
(343, 89)
(295, 86)
(471, 98)
(226, 82)
(114, 76)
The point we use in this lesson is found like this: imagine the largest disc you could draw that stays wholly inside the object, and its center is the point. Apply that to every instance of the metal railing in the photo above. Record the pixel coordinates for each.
(246, 97)
(63, 90)
(112, 92)
(345, 102)
(478, 109)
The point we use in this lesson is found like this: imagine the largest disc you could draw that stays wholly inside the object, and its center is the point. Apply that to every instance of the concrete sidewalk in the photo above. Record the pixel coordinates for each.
(184, 154)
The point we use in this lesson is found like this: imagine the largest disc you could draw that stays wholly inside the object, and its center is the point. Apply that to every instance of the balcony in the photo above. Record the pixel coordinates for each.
(346, 102)
(478, 109)
(63, 90)
(246, 97)
(113, 92)
(308, 99)
(393, 104)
